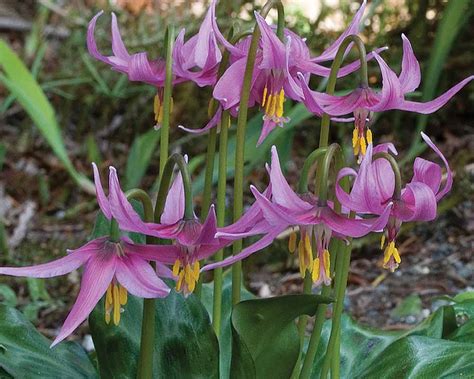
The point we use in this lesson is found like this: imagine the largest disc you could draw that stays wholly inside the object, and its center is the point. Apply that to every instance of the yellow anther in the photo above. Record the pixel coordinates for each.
(382, 241)
(357, 148)
(316, 270)
(355, 138)
(268, 103)
(292, 242)
(327, 263)
(396, 255)
(123, 295)
(116, 304)
(156, 105)
(281, 99)
(363, 145)
(391, 251)
(107, 315)
(108, 296)
(273, 106)
(176, 266)
(196, 270)
(264, 98)
(179, 283)
(307, 246)
(369, 136)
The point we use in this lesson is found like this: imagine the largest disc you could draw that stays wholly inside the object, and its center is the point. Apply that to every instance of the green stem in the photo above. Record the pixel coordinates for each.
(343, 261)
(165, 124)
(240, 149)
(326, 164)
(313, 157)
(211, 150)
(144, 199)
(221, 207)
(145, 362)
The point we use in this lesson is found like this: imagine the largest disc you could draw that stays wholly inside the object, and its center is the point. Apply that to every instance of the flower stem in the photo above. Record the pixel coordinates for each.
(343, 261)
(240, 148)
(323, 142)
(221, 206)
(145, 362)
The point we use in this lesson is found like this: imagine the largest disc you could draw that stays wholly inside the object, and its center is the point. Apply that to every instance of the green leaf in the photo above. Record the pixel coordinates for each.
(265, 337)
(25, 353)
(139, 157)
(8, 295)
(185, 343)
(24, 87)
(411, 305)
(422, 357)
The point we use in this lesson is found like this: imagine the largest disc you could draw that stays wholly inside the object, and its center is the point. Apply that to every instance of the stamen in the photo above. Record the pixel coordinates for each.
(156, 106)
(196, 270)
(179, 283)
(176, 266)
(292, 242)
(273, 106)
(327, 263)
(264, 98)
(123, 295)
(281, 99)
(363, 145)
(316, 270)
(369, 136)
(268, 103)
(116, 304)
(391, 258)
(382, 241)
(355, 138)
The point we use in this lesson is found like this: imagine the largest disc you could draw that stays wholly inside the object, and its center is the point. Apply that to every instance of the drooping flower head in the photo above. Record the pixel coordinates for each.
(192, 240)
(364, 100)
(317, 223)
(112, 267)
(276, 67)
(374, 186)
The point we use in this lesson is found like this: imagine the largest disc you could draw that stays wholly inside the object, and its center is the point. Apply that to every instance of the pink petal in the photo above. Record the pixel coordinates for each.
(72, 261)
(211, 124)
(118, 46)
(259, 245)
(267, 127)
(427, 172)
(281, 191)
(139, 278)
(353, 28)
(91, 43)
(206, 37)
(209, 228)
(174, 204)
(166, 254)
(143, 70)
(410, 76)
(418, 203)
(228, 88)
(273, 49)
(99, 190)
(275, 214)
(164, 271)
(449, 173)
(98, 274)
(355, 227)
(122, 210)
(433, 105)
(391, 95)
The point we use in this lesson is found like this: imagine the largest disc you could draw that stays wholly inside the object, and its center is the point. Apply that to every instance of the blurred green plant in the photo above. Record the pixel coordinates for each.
(29, 94)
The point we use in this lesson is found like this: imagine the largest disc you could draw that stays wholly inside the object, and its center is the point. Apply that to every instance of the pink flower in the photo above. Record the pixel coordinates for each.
(111, 268)
(282, 208)
(374, 187)
(364, 100)
(275, 73)
(192, 240)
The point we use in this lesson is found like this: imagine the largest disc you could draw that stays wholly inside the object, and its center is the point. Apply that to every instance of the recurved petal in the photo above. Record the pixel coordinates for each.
(449, 174)
(99, 190)
(410, 76)
(141, 69)
(259, 245)
(206, 39)
(391, 94)
(122, 210)
(91, 44)
(98, 273)
(211, 124)
(433, 105)
(118, 46)
(418, 203)
(273, 50)
(427, 172)
(282, 193)
(228, 88)
(139, 278)
(209, 228)
(166, 254)
(72, 261)
(353, 28)
(174, 204)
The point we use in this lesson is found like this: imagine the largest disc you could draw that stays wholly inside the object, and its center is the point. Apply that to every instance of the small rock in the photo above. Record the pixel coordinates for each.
(87, 343)
(265, 291)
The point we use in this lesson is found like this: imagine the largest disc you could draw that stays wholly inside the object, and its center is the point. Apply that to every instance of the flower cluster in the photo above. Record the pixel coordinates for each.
(283, 64)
